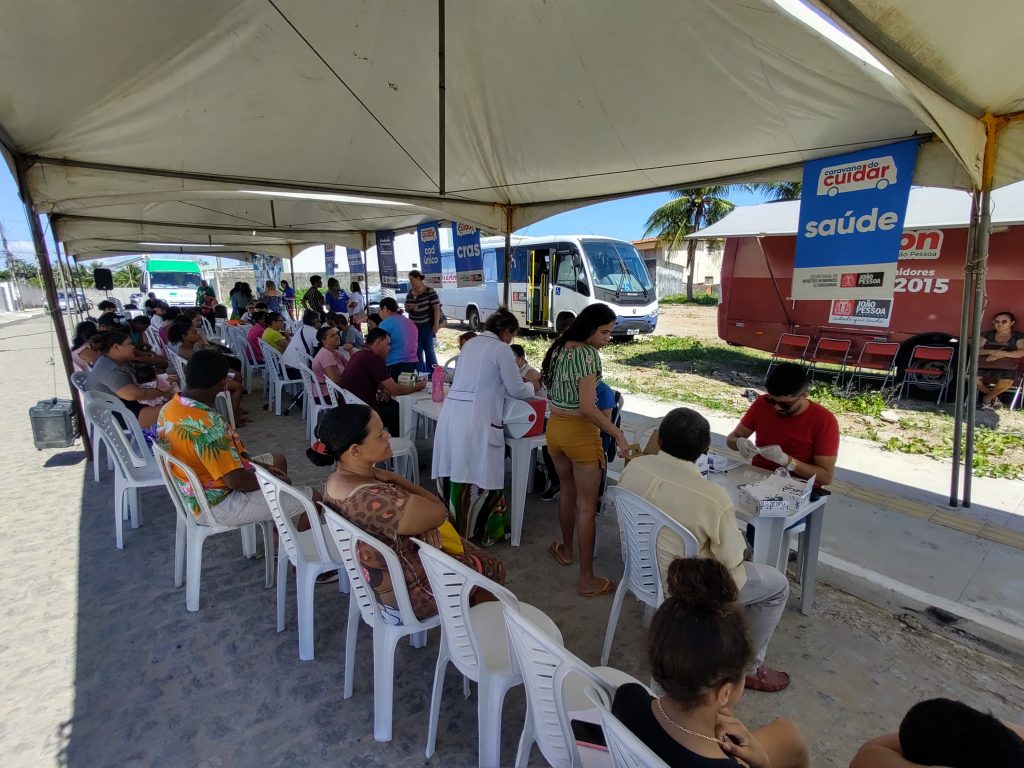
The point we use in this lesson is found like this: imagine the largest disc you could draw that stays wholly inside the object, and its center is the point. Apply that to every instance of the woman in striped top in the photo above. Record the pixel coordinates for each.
(571, 372)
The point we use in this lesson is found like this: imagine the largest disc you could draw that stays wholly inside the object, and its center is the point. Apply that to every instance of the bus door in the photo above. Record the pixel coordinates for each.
(538, 288)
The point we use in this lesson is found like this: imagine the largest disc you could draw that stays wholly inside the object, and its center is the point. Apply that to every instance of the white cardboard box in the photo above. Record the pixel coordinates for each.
(775, 496)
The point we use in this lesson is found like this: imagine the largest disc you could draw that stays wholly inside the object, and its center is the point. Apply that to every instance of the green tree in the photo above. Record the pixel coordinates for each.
(128, 276)
(699, 207)
(690, 210)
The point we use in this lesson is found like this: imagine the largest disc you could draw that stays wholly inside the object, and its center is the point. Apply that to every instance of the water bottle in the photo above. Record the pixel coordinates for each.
(437, 384)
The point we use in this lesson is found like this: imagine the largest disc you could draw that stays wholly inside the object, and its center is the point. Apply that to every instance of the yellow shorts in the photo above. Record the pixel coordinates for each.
(576, 437)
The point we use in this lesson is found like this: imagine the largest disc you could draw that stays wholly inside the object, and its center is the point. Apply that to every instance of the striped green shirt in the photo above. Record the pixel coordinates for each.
(568, 367)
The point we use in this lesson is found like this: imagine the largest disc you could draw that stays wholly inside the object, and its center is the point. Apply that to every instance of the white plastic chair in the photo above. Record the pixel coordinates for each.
(625, 747)
(190, 533)
(134, 466)
(640, 522)
(475, 641)
(405, 457)
(316, 401)
(152, 336)
(243, 351)
(555, 681)
(179, 364)
(386, 633)
(276, 383)
(78, 379)
(312, 552)
(222, 403)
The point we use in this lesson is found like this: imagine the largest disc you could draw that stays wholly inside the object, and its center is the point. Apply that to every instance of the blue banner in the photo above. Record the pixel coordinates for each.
(329, 260)
(386, 259)
(469, 259)
(428, 236)
(356, 265)
(852, 211)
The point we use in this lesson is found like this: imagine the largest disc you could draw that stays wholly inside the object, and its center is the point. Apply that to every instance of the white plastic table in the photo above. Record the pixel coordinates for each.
(770, 532)
(406, 414)
(521, 449)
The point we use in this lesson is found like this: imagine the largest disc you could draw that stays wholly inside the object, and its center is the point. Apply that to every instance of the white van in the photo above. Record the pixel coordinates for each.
(174, 281)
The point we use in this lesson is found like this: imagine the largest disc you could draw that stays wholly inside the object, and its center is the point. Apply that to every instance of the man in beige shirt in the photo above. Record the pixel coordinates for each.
(671, 481)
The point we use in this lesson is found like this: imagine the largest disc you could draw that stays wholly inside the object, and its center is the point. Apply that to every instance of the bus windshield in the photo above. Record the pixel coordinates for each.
(174, 280)
(616, 266)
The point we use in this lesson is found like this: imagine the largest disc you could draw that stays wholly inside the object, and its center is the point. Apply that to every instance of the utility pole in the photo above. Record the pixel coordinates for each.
(9, 257)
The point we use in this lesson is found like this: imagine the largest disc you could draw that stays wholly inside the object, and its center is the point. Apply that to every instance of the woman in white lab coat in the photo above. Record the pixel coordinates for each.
(469, 447)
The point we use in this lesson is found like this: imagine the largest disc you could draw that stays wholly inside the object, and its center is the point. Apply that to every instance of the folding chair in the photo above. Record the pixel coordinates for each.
(928, 368)
(877, 356)
(831, 352)
(790, 346)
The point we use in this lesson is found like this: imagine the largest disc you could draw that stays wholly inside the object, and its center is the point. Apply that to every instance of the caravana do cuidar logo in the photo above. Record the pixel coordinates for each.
(851, 221)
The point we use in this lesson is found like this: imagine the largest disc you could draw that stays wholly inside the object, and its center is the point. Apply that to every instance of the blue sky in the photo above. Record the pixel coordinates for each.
(620, 218)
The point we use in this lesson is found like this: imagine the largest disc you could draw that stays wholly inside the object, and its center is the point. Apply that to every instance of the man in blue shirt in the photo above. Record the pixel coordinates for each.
(404, 338)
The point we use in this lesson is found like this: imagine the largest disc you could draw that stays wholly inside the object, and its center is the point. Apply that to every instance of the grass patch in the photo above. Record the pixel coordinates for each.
(990, 449)
(700, 299)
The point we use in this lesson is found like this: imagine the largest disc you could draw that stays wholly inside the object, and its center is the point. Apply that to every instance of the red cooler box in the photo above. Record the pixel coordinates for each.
(524, 418)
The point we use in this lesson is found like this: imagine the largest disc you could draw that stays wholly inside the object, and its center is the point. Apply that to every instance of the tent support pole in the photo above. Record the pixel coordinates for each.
(46, 271)
(508, 258)
(961, 359)
(978, 268)
(440, 98)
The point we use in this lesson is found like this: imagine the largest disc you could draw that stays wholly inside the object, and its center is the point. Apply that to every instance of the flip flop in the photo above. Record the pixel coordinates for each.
(607, 588)
(555, 550)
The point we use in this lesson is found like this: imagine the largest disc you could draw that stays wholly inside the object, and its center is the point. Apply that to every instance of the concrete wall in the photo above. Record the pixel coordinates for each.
(15, 296)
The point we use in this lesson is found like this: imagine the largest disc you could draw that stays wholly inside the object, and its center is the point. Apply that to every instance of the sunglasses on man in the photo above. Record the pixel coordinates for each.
(785, 404)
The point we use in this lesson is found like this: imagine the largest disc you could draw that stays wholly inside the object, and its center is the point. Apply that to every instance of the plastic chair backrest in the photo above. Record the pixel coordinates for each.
(304, 358)
(313, 389)
(921, 352)
(841, 346)
(883, 352)
(545, 664)
(794, 341)
(348, 537)
(273, 488)
(222, 404)
(452, 582)
(168, 465)
(625, 747)
(341, 395)
(101, 414)
(641, 522)
(78, 379)
(272, 360)
(152, 336)
(179, 364)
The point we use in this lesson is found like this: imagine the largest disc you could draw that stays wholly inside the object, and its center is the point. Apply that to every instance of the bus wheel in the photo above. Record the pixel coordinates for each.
(563, 321)
(473, 318)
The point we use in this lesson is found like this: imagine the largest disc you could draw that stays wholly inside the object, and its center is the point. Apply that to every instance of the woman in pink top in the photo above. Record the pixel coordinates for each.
(328, 358)
(256, 333)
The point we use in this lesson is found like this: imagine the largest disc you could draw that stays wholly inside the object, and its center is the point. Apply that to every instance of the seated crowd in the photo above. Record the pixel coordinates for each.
(709, 639)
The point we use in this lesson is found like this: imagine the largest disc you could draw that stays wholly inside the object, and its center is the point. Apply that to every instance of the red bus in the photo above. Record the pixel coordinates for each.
(757, 269)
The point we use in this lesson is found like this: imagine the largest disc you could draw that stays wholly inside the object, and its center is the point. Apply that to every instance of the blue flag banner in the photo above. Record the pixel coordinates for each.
(386, 259)
(852, 211)
(429, 238)
(329, 260)
(356, 265)
(469, 259)
(265, 268)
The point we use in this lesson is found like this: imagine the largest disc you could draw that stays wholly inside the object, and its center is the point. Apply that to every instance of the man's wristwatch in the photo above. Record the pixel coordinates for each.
(791, 466)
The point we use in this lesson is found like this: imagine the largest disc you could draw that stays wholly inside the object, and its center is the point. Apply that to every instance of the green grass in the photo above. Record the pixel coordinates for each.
(989, 447)
(700, 299)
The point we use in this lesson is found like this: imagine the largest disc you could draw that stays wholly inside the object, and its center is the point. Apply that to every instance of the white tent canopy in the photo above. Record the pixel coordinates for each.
(927, 207)
(547, 106)
(182, 117)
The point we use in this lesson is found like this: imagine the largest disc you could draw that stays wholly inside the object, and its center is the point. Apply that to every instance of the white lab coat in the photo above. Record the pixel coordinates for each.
(469, 446)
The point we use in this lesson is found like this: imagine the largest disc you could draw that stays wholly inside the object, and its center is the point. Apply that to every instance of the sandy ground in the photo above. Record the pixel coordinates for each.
(100, 664)
(688, 320)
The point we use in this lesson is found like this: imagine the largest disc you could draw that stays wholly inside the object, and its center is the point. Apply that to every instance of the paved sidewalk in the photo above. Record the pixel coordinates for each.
(100, 664)
(898, 544)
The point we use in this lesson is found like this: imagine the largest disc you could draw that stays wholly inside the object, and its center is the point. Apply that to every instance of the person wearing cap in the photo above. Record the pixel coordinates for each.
(423, 307)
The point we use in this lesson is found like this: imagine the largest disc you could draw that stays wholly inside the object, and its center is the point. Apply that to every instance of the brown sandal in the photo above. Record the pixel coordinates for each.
(556, 551)
(607, 587)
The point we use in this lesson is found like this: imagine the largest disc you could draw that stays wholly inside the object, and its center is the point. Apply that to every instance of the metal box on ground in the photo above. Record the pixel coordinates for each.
(54, 423)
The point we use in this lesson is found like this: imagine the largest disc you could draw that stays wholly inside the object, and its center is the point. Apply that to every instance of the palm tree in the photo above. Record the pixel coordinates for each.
(699, 207)
(128, 276)
(775, 191)
(690, 211)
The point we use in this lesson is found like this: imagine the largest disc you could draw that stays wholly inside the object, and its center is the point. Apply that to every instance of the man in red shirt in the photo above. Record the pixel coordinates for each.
(792, 431)
(366, 376)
